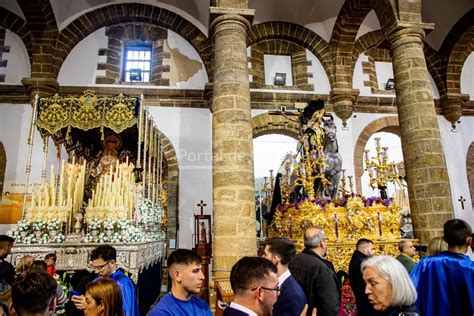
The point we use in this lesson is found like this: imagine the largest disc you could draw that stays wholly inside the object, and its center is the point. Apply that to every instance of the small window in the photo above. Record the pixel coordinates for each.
(137, 63)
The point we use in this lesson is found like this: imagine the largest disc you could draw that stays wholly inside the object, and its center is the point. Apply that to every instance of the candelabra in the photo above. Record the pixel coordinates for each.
(268, 188)
(285, 183)
(309, 169)
(381, 171)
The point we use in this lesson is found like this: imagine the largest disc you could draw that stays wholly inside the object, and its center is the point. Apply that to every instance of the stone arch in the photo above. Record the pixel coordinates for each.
(470, 170)
(297, 34)
(348, 22)
(171, 162)
(387, 124)
(17, 25)
(3, 166)
(114, 14)
(366, 42)
(265, 124)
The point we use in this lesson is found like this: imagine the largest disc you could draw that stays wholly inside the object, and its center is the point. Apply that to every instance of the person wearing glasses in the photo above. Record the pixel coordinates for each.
(104, 264)
(316, 275)
(185, 271)
(280, 251)
(254, 281)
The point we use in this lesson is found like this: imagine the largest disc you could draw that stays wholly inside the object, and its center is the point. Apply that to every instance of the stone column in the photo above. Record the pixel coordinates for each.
(427, 176)
(232, 161)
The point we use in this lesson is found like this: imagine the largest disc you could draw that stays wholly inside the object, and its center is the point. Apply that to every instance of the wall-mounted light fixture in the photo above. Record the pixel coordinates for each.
(280, 79)
(390, 85)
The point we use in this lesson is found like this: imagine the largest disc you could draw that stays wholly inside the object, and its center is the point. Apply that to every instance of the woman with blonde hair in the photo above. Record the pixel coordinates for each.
(436, 245)
(24, 264)
(104, 298)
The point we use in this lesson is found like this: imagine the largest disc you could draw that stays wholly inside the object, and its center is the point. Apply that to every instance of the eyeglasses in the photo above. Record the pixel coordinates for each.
(99, 267)
(277, 289)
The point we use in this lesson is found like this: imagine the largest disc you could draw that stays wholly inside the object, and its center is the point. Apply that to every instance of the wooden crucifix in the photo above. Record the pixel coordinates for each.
(201, 205)
(462, 200)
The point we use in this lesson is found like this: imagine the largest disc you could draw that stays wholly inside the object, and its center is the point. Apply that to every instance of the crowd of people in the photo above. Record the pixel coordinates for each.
(279, 282)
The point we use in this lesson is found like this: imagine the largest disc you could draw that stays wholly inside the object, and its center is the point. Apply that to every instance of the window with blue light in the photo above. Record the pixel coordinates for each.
(137, 63)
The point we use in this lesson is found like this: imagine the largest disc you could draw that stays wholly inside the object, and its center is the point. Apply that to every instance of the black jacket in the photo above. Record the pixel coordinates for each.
(319, 282)
(364, 308)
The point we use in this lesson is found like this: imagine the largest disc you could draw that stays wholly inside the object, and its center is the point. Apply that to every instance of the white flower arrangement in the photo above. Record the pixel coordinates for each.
(123, 224)
(94, 224)
(54, 225)
(109, 224)
(44, 239)
(149, 213)
(39, 225)
(87, 238)
(59, 239)
(23, 226)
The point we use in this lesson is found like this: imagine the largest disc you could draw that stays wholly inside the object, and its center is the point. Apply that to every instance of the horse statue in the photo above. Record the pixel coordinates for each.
(333, 159)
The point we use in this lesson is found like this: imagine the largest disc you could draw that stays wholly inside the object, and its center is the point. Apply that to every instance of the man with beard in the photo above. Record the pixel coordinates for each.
(185, 271)
(254, 281)
(364, 250)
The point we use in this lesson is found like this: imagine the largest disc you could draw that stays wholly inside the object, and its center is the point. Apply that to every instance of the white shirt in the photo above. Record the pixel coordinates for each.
(244, 309)
(282, 278)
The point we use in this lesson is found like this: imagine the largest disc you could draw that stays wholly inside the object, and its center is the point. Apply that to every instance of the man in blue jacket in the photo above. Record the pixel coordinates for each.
(280, 251)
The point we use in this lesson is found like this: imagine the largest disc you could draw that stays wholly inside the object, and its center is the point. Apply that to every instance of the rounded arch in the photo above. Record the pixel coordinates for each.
(17, 25)
(265, 124)
(470, 170)
(3, 166)
(114, 14)
(366, 42)
(171, 162)
(297, 34)
(387, 124)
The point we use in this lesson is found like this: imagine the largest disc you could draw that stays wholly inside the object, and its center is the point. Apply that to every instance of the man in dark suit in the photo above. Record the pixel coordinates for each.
(316, 275)
(280, 251)
(254, 281)
(364, 250)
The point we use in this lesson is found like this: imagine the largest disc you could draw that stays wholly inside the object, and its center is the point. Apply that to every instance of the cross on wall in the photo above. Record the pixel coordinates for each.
(462, 200)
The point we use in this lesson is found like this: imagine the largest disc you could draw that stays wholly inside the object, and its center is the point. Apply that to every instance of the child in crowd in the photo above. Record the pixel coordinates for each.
(50, 260)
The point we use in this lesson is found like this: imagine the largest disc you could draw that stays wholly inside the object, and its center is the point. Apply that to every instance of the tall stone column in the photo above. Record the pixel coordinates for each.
(427, 176)
(232, 161)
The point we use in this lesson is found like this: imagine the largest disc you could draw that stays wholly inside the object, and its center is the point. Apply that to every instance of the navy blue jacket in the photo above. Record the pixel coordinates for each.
(229, 311)
(291, 300)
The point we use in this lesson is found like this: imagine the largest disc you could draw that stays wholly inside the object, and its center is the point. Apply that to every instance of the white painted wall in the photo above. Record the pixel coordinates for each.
(18, 65)
(189, 131)
(456, 145)
(280, 64)
(269, 151)
(80, 66)
(320, 79)
(14, 128)
(198, 81)
(467, 77)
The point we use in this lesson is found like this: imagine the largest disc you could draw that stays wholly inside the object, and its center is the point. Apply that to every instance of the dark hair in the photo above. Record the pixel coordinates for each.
(249, 270)
(39, 265)
(106, 252)
(401, 245)
(282, 247)
(51, 256)
(362, 242)
(6, 240)
(183, 256)
(107, 292)
(33, 292)
(456, 231)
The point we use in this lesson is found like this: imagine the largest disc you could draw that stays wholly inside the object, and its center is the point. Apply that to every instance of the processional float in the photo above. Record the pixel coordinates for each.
(109, 189)
(315, 191)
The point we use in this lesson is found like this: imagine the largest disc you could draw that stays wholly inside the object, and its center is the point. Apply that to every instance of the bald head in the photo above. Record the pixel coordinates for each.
(313, 236)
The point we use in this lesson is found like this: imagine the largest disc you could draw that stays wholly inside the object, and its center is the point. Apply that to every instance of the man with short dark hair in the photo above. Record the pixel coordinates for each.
(280, 251)
(33, 293)
(407, 252)
(254, 281)
(104, 264)
(364, 249)
(445, 282)
(316, 275)
(7, 271)
(185, 271)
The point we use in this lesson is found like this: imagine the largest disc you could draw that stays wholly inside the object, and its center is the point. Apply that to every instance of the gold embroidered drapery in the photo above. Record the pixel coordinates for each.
(87, 112)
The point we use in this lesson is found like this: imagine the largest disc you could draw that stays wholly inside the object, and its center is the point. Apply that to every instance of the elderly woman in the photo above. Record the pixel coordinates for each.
(388, 286)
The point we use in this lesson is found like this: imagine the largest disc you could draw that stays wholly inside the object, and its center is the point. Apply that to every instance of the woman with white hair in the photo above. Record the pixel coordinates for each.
(388, 286)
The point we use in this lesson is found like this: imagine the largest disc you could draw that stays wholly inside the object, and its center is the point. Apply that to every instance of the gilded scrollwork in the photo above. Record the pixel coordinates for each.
(87, 112)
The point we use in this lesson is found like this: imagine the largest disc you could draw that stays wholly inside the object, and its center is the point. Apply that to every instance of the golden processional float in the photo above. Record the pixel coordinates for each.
(316, 192)
(108, 190)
